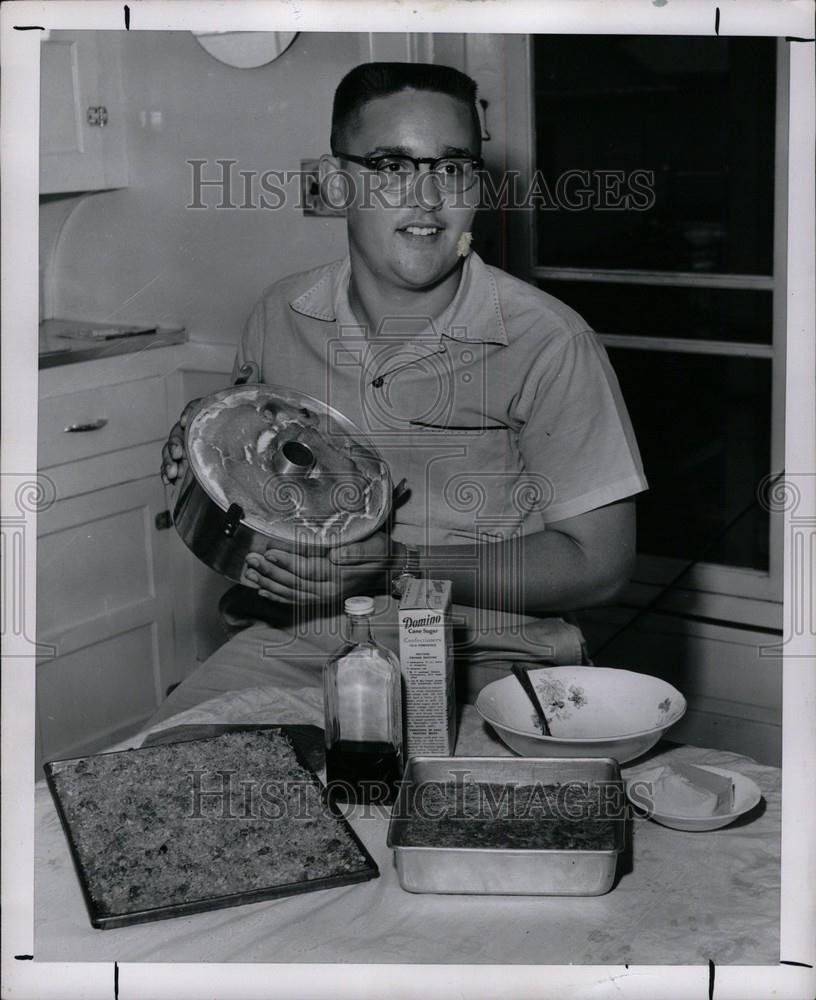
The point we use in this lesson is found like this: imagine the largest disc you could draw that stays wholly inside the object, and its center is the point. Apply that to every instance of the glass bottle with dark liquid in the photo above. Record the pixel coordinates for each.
(363, 705)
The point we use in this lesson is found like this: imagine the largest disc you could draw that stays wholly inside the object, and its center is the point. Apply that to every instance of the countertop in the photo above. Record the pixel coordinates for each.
(164, 360)
(67, 341)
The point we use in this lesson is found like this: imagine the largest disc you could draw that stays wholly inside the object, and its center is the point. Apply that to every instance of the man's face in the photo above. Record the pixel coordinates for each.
(383, 234)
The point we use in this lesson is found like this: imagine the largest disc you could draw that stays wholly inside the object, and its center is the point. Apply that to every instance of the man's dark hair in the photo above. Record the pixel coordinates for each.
(380, 79)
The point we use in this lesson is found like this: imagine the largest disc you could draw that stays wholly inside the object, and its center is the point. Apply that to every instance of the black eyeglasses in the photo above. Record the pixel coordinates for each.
(451, 173)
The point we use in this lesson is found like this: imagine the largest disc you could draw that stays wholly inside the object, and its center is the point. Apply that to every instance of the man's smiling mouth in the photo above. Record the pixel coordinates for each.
(417, 230)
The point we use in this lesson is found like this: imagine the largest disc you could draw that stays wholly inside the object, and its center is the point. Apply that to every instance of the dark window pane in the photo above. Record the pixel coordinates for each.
(702, 425)
(697, 112)
(660, 311)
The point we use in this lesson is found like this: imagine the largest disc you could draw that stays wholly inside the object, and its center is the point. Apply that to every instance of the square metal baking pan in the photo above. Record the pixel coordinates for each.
(506, 871)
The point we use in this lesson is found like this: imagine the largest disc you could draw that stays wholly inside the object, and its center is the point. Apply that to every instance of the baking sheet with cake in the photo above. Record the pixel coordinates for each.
(138, 775)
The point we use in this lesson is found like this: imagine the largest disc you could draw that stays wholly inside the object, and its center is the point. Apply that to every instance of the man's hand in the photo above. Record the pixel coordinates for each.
(360, 568)
(174, 460)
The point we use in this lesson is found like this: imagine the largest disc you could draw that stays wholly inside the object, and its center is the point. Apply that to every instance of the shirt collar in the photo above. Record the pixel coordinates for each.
(474, 314)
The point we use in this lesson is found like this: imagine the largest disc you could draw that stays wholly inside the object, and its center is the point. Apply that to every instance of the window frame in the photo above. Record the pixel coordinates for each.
(710, 590)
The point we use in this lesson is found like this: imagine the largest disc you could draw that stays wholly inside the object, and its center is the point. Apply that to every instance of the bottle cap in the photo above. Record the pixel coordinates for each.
(359, 605)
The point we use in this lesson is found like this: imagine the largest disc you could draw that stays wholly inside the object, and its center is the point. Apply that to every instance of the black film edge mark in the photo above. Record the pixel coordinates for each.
(711, 973)
(127, 18)
(717, 21)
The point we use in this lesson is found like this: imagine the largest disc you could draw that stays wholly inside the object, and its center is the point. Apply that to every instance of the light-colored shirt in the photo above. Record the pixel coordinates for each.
(503, 414)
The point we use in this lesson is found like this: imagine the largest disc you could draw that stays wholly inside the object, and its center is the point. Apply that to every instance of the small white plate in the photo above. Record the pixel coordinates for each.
(746, 796)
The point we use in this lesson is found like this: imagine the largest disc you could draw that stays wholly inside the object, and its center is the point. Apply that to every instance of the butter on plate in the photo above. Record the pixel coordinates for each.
(680, 789)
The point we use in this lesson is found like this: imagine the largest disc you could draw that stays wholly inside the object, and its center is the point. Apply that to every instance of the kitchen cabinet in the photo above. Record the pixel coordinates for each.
(124, 610)
(104, 592)
(82, 124)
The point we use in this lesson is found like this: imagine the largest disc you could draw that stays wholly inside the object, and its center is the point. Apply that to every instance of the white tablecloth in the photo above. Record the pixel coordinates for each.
(688, 898)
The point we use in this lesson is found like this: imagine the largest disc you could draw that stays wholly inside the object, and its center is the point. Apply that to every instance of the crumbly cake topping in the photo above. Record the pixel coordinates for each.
(173, 824)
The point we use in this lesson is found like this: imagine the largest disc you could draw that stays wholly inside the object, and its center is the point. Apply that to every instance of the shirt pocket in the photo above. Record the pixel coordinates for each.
(465, 484)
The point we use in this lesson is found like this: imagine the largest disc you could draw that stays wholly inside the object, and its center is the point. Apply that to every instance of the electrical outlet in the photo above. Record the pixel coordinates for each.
(313, 203)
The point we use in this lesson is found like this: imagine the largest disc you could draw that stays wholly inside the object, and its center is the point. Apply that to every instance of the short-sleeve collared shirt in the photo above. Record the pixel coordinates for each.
(502, 415)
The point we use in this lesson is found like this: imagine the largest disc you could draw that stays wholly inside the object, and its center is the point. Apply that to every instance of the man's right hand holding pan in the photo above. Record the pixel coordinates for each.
(174, 459)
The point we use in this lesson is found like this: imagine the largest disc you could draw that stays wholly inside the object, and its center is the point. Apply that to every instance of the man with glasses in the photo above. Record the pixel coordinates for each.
(491, 400)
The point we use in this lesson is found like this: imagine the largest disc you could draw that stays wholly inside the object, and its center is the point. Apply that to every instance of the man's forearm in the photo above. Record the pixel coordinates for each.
(527, 575)
(543, 571)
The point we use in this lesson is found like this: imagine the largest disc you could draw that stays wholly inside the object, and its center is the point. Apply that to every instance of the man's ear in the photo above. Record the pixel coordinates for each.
(335, 183)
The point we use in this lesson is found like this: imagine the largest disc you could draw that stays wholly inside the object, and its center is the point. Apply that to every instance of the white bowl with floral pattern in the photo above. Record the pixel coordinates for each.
(591, 711)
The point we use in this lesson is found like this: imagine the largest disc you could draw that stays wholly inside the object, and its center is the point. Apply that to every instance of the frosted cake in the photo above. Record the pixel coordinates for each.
(293, 469)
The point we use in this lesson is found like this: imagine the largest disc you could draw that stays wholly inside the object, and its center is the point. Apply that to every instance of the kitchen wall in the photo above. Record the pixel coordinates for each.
(139, 254)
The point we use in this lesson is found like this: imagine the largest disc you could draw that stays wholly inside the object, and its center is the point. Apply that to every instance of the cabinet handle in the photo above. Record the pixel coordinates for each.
(92, 425)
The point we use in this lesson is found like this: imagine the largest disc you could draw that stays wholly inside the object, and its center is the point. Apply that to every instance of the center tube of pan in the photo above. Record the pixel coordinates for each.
(293, 458)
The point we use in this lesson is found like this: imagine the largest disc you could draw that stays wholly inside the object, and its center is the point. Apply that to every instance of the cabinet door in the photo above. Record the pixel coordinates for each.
(104, 603)
(82, 127)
